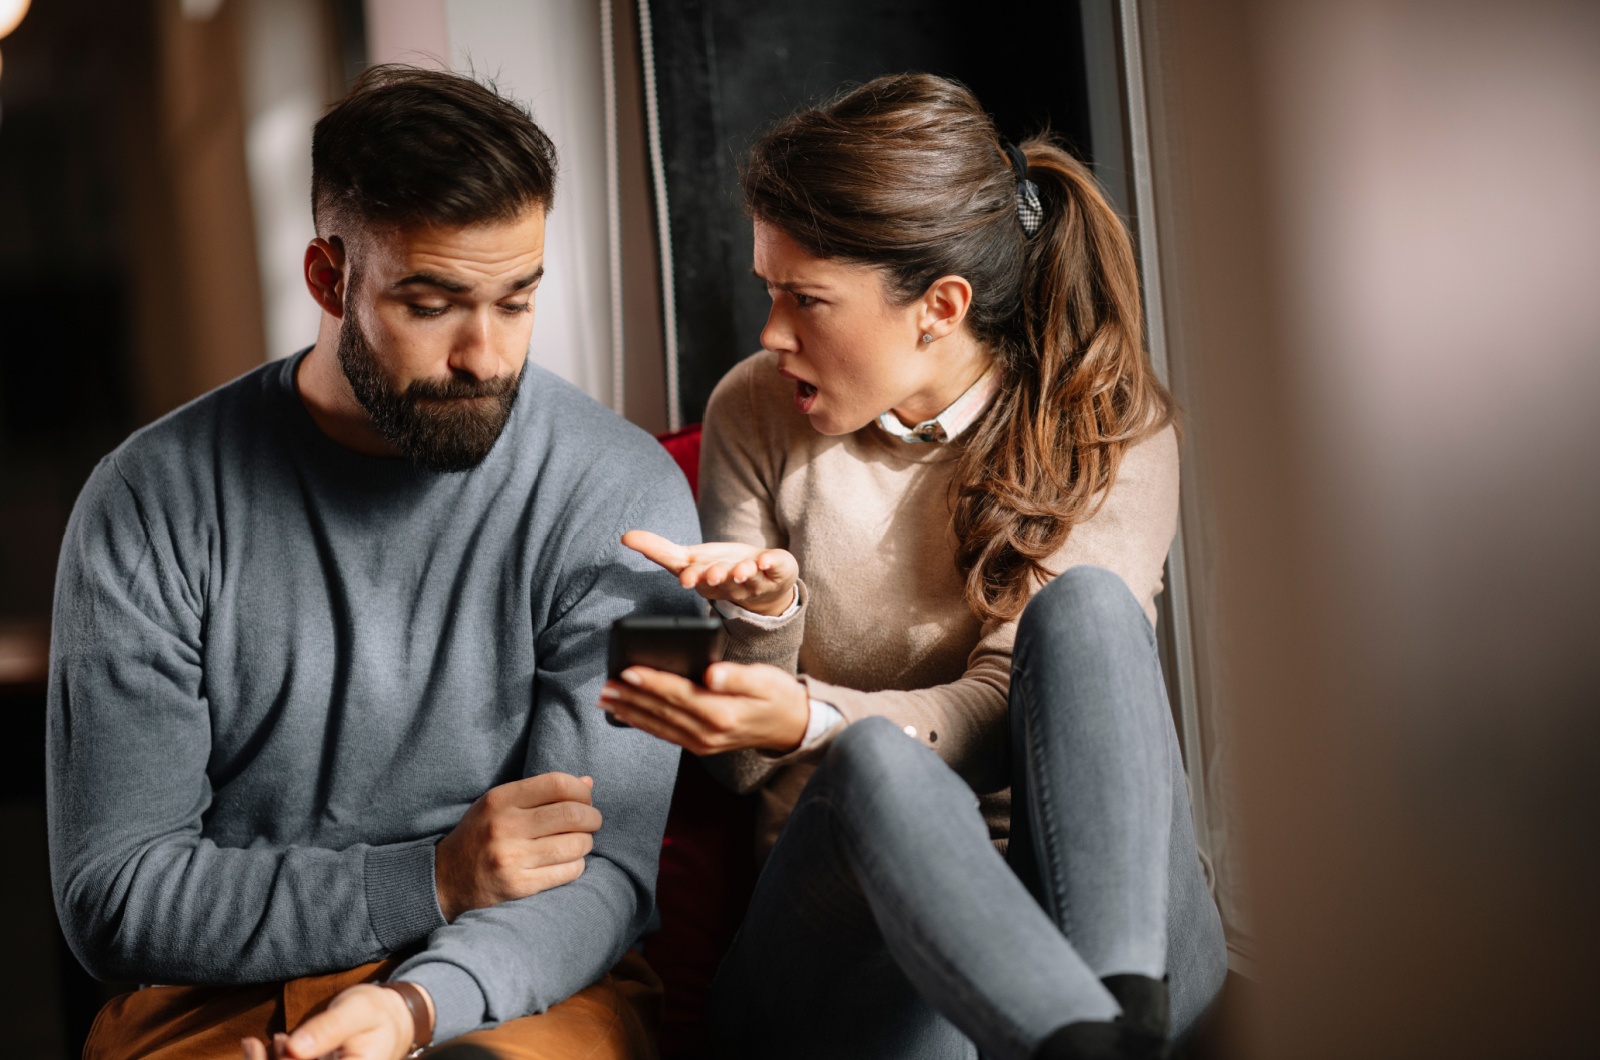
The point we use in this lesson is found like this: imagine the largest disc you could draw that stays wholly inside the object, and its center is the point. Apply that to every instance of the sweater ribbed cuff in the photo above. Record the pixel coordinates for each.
(758, 639)
(458, 1002)
(730, 610)
(402, 901)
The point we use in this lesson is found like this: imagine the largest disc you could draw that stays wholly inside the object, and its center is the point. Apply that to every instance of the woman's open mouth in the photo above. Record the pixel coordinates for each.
(805, 395)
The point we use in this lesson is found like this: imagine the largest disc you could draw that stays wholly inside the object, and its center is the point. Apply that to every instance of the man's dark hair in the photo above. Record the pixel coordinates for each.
(411, 146)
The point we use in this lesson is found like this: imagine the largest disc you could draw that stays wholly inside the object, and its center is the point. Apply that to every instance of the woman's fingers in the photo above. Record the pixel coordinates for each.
(657, 726)
(657, 549)
(675, 700)
(678, 691)
(747, 679)
(747, 706)
(704, 572)
(723, 581)
(651, 715)
(778, 564)
(616, 694)
(735, 573)
(675, 557)
(721, 570)
(723, 679)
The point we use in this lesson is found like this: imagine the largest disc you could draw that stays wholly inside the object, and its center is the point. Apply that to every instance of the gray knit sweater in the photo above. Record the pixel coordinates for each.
(280, 672)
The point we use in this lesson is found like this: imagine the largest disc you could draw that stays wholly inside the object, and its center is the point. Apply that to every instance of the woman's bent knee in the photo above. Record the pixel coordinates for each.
(1080, 601)
(1078, 593)
(874, 760)
(869, 747)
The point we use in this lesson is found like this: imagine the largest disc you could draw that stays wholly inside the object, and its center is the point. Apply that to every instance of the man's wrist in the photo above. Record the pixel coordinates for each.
(457, 997)
(447, 885)
(419, 1007)
(401, 881)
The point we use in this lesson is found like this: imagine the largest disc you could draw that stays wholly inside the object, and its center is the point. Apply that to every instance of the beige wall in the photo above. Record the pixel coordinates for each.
(197, 289)
(408, 31)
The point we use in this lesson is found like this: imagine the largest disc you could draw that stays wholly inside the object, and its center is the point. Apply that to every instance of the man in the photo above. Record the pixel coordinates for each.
(329, 640)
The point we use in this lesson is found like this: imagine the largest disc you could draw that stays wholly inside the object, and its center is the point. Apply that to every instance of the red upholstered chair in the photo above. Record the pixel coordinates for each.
(707, 868)
(684, 445)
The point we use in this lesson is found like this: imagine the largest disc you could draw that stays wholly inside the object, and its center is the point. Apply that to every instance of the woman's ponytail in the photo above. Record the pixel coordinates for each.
(1077, 390)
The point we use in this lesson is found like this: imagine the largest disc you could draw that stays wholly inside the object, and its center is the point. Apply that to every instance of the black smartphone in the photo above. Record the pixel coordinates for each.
(673, 643)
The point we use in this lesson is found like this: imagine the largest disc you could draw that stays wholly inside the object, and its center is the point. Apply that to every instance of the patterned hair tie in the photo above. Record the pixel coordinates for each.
(1030, 208)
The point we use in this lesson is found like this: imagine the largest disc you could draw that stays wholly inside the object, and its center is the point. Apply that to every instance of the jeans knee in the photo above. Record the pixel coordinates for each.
(874, 757)
(1080, 598)
(866, 747)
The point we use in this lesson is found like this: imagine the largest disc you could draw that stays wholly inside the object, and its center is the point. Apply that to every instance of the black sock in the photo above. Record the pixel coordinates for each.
(1140, 1033)
(1144, 1003)
(1087, 1040)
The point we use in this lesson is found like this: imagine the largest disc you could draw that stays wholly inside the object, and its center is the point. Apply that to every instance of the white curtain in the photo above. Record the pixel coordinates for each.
(285, 85)
(547, 54)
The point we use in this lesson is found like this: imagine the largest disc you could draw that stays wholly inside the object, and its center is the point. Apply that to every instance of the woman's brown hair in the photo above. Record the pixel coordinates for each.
(907, 174)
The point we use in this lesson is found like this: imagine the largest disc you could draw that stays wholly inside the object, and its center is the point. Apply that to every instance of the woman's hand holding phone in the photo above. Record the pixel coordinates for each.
(741, 706)
(757, 579)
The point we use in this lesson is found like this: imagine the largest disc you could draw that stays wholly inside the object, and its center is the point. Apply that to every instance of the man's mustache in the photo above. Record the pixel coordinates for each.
(454, 389)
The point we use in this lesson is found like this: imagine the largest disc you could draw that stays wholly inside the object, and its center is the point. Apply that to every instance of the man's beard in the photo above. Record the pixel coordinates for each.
(428, 422)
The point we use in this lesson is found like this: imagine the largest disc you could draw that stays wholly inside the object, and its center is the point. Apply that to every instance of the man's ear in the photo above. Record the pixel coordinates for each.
(944, 305)
(326, 274)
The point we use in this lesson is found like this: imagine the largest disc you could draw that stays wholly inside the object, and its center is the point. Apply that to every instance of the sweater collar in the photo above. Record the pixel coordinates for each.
(949, 424)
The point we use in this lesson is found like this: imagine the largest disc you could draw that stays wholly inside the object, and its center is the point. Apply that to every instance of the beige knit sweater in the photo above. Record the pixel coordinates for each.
(882, 627)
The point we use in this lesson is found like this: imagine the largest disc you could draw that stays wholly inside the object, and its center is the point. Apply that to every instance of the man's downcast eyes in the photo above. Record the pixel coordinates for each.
(427, 311)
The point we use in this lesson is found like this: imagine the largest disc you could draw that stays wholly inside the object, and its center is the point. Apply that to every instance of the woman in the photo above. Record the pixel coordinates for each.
(953, 415)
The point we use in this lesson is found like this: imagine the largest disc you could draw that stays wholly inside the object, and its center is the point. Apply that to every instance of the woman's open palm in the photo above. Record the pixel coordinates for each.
(758, 579)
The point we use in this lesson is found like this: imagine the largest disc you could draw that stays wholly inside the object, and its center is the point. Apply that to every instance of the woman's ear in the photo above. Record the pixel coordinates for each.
(944, 306)
(326, 275)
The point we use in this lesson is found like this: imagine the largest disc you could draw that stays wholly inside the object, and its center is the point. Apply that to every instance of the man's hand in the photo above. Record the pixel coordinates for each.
(744, 705)
(365, 1022)
(518, 839)
(757, 579)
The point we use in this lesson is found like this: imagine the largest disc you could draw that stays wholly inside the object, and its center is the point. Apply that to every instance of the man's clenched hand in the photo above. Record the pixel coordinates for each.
(518, 839)
(365, 1022)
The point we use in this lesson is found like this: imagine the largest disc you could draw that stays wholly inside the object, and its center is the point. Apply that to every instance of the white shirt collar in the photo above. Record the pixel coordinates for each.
(949, 424)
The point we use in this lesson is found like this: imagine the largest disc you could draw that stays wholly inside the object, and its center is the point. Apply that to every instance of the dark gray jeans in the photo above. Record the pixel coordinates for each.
(885, 924)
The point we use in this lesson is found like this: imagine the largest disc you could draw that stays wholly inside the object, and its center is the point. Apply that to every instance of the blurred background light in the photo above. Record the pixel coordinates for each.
(11, 12)
(200, 10)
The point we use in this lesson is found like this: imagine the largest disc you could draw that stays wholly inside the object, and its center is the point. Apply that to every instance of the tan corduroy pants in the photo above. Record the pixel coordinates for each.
(614, 1019)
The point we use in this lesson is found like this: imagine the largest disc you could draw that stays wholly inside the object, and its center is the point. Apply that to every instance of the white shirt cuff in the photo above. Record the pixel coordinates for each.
(729, 609)
(824, 716)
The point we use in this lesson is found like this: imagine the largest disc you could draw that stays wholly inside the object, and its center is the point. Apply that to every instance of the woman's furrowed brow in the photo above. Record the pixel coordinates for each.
(789, 285)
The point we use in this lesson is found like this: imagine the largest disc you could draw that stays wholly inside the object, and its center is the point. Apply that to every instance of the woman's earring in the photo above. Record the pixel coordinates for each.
(926, 337)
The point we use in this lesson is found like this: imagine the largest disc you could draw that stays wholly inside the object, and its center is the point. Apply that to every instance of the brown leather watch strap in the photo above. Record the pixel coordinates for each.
(417, 1004)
